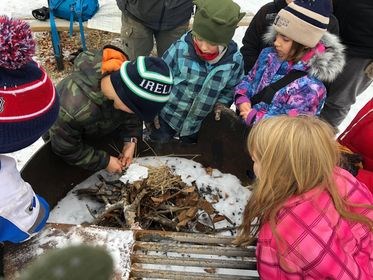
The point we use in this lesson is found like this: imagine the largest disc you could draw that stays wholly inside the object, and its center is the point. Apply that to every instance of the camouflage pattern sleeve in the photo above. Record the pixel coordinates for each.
(131, 128)
(67, 142)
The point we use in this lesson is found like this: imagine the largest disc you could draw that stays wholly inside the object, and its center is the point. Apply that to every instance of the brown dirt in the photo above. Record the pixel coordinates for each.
(95, 39)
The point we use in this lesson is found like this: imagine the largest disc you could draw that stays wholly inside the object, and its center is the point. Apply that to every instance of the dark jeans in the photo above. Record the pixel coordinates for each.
(163, 134)
(342, 92)
(166, 133)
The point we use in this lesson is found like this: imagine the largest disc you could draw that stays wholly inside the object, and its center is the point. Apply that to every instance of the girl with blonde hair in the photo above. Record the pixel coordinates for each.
(315, 219)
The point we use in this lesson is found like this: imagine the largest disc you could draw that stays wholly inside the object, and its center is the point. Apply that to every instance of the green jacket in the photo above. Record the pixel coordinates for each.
(86, 114)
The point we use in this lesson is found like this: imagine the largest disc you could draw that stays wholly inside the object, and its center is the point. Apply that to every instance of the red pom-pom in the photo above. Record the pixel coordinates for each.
(16, 43)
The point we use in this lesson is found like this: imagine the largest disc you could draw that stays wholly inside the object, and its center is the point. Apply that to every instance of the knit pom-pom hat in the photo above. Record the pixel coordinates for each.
(304, 21)
(16, 43)
(28, 100)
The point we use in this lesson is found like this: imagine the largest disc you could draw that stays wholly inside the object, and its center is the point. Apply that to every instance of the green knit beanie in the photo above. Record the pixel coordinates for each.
(72, 263)
(216, 20)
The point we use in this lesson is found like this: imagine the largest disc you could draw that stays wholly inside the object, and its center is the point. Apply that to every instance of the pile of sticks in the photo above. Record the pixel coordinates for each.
(162, 201)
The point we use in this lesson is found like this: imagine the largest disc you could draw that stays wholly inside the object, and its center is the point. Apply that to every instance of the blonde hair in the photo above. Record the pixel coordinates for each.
(296, 154)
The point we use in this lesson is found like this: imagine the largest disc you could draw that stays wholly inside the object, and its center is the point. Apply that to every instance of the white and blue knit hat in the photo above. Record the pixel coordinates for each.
(304, 21)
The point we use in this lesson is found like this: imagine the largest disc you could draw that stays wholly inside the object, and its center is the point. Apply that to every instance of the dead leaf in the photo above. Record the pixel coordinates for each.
(218, 218)
(191, 212)
(215, 199)
(188, 190)
(206, 206)
(183, 222)
(209, 170)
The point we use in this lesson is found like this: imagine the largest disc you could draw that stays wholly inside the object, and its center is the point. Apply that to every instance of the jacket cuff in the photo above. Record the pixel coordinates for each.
(241, 99)
(251, 116)
(130, 140)
(105, 162)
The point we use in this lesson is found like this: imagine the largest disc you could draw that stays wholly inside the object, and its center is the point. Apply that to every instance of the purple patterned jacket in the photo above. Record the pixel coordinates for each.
(305, 95)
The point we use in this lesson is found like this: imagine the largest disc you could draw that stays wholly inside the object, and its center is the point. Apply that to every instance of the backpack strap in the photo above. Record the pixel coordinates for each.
(266, 94)
(55, 40)
(78, 11)
(71, 20)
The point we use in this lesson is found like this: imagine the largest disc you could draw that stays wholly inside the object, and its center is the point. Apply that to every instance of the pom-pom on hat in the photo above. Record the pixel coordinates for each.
(304, 21)
(16, 43)
(28, 100)
(215, 21)
(144, 85)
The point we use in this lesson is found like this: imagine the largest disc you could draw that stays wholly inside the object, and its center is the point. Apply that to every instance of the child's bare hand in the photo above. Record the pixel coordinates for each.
(127, 154)
(114, 166)
(244, 109)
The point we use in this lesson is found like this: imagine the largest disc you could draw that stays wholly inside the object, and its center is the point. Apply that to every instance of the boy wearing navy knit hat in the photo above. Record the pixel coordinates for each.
(28, 107)
(98, 100)
(206, 65)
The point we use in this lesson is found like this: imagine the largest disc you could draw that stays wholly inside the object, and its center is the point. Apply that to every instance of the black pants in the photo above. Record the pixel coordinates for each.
(166, 133)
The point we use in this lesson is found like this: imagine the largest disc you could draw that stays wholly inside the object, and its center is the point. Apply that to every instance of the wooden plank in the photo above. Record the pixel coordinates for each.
(64, 25)
(178, 275)
(179, 255)
(195, 262)
(245, 21)
(197, 238)
(61, 24)
(196, 249)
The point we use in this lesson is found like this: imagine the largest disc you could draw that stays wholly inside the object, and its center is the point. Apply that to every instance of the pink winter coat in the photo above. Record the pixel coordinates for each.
(320, 243)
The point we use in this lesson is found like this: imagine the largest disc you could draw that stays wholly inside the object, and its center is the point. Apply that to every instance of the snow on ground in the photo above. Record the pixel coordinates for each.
(118, 243)
(13, 7)
(233, 196)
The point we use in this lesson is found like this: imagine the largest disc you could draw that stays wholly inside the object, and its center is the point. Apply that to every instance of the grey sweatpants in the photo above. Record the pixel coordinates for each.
(138, 39)
(342, 92)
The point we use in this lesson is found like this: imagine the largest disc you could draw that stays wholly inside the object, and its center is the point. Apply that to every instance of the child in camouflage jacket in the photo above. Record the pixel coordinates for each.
(98, 100)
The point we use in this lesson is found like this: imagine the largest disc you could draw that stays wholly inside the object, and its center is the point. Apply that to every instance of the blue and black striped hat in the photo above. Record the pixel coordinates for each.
(144, 85)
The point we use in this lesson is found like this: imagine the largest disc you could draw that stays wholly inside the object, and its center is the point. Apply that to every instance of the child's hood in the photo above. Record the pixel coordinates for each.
(324, 66)
(232, 49)
(87, 75)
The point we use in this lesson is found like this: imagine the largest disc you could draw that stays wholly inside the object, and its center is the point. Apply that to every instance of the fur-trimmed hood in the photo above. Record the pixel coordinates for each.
(324, 66)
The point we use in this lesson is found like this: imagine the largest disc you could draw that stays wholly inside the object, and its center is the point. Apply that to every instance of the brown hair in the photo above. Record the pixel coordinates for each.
(297, 51)
(291, 165)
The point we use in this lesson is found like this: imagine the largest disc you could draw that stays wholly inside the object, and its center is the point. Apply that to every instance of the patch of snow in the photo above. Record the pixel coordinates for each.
(118, 243)
(134, 173)
(232, 195)
(12, 7)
